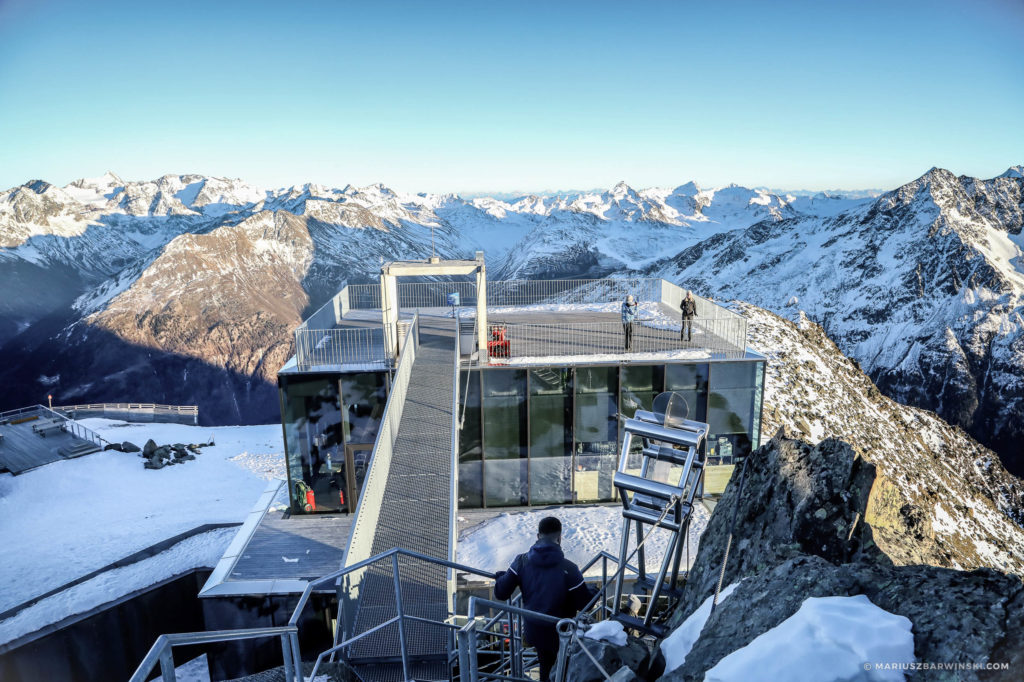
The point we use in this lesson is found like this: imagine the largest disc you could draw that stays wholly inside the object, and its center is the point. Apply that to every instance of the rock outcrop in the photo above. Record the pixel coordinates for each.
(800, 532)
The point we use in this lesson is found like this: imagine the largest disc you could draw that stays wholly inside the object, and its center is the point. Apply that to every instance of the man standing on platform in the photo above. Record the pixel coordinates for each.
(689, 310)
(629, 308)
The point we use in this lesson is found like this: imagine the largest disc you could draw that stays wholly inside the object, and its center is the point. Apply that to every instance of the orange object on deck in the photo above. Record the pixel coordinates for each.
(499, 345)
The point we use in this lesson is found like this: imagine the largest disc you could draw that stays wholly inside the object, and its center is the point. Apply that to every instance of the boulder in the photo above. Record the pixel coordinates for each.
(148, 448)
(113, 446)
(797, 499)
(130, 447)
(163, 452)
(634, 655)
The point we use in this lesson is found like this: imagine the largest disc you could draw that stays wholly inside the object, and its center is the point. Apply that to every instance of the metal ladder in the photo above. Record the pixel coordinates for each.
(671, 452)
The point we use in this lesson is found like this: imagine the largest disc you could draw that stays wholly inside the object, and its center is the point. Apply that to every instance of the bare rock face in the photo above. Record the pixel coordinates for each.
(800, 532)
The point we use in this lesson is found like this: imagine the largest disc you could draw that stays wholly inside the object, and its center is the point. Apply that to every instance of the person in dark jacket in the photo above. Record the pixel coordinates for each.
(550, 584)
(689, 310)
(629, 308)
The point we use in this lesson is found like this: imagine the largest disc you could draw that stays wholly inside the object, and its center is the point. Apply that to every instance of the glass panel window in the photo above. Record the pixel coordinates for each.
(504, 437)
(550, 436)
(596, 433)
(314, 443)
(691, 382)
(640, 385)
(731, 400)
(471, 485)
(364, 397)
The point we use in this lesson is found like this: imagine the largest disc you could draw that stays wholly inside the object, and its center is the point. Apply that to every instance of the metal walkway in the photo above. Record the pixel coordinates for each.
(415, 514)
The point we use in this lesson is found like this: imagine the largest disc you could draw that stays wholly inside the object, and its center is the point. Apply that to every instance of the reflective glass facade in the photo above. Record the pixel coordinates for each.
(551, 435)
(330, 422)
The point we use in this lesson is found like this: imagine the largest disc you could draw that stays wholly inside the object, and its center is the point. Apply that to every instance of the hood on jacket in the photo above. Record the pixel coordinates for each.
(545, 554)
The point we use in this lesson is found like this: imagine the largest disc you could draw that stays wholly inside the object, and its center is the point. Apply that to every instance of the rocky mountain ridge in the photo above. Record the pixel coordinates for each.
(921, 285)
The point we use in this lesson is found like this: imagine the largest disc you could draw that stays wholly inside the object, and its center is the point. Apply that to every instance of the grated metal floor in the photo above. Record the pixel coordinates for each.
(415, 514)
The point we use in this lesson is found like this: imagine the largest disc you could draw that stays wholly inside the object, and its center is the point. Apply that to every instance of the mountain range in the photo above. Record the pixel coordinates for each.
(186, 288)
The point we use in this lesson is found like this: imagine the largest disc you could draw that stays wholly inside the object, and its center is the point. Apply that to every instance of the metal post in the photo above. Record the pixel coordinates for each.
(167, 672)
(296, 655)
(286, 659)
(623, 554)
(401, 618)
(564, 641)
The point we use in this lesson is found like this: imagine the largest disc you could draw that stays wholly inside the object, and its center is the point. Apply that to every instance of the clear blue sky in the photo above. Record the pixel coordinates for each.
(477, 96)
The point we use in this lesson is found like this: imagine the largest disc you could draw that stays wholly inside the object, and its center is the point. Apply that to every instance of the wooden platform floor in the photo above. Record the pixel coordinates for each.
(300, 547)
(22, 450)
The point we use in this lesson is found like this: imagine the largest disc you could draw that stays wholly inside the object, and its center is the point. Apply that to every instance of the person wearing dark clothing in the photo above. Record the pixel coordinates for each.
(550, 584)
(689, 310)
(629, 308)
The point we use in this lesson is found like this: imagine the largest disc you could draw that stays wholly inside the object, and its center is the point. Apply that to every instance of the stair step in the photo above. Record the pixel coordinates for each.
(635, 623)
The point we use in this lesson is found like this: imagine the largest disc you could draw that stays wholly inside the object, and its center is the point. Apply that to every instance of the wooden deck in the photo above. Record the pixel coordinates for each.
(22, 449)
(293, 547)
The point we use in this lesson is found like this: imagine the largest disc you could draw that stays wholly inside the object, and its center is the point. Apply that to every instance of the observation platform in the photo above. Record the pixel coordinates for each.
(34, 436)
(529, 323)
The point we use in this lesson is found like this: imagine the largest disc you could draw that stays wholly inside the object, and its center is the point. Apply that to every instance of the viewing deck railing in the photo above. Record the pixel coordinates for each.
(319, 341)
(69, 425)
(600, 340)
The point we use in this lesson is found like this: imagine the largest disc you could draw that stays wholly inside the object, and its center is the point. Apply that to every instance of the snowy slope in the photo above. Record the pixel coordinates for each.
(97, 509)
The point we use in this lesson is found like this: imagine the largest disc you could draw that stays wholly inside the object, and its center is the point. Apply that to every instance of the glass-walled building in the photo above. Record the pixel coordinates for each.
(529, 435)
(330, 423)
(551, 435)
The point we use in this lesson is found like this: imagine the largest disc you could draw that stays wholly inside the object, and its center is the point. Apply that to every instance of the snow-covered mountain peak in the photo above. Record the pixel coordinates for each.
(690, 189)
(1014, 172)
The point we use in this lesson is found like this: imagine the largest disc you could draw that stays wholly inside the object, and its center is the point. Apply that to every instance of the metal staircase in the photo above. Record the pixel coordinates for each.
(406, 625)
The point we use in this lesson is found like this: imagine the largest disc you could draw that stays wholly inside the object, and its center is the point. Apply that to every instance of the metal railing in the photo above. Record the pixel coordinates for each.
(175, 409)
(371, 497)
(318, 341)
(336, 347)
(122, 409)
(515, 341)
(162, 651)
(502, 648)
(520, 292)
(69, 425)
(453, 489)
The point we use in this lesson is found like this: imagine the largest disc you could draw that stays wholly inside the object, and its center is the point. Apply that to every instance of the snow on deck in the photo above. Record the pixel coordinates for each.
(70, 518)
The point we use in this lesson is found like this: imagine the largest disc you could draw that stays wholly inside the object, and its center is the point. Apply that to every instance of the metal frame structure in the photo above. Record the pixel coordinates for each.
(655, 503)
(390, 303)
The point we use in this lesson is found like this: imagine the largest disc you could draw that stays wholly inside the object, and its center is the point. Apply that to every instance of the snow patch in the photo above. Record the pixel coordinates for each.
(828, 638)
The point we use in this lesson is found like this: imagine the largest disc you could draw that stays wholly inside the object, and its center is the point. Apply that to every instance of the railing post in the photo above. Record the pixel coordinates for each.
(296, 655)
(286, 659)
(167, 672)
(564, 641)
(401, 618)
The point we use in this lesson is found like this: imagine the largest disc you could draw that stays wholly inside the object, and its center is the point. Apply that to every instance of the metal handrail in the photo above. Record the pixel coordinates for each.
(565, 339)
(77, 429)
(380, 456)
(453, 490)
(162, 650)
(178, 409)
